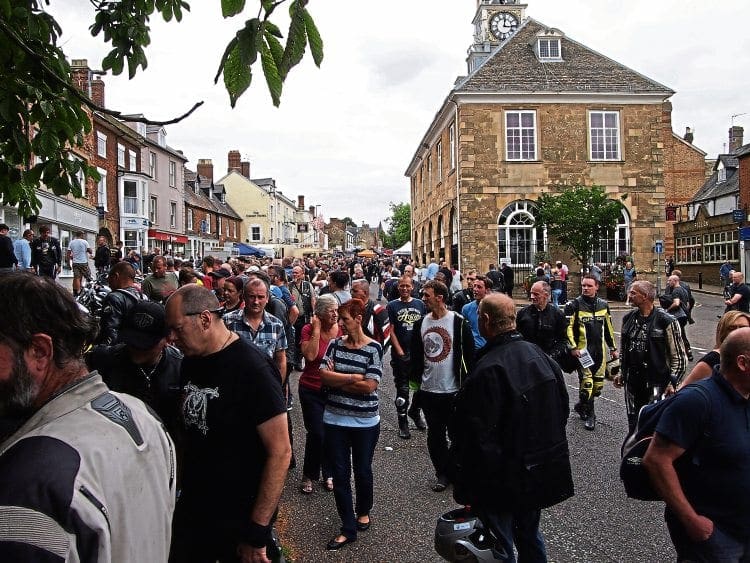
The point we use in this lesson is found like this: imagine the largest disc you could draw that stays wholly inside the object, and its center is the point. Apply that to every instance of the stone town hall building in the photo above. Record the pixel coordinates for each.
(538, 112)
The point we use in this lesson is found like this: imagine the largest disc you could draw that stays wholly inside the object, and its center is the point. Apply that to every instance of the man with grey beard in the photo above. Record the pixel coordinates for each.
(91, 468)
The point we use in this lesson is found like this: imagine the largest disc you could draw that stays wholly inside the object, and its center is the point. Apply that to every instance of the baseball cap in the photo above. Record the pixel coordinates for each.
(220, 273)
(143, 326)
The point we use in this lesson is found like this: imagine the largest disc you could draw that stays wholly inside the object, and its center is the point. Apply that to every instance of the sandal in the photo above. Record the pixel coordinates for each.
(306, 486)
(328, 484)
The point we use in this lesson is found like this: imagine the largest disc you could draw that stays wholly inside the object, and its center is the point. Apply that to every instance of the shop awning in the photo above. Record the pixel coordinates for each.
(169, 237)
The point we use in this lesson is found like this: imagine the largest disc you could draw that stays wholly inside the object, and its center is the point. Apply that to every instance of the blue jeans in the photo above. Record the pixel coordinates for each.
(720, 547)
(556, 293)
(521, 528)
(347, 447)
(313, 403)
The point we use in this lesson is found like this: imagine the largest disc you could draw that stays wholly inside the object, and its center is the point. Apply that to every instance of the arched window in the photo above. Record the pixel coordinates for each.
(454, 238)
(518, 240)
(616, 243)
(440, 236)
(430, 242)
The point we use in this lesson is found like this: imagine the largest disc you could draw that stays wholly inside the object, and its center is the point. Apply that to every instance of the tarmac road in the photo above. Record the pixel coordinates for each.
(599, 524)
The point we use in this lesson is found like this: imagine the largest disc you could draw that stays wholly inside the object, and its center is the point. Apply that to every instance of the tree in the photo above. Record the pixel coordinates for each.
(399, 225)
(43, 115)
(579, 218)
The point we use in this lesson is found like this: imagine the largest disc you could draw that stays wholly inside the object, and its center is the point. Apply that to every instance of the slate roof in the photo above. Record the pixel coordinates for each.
(514, 67)
(744, 150)
(201, 200)
(713, 188)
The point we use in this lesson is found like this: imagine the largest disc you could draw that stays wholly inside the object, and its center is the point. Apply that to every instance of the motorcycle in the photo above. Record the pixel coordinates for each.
(92, 295)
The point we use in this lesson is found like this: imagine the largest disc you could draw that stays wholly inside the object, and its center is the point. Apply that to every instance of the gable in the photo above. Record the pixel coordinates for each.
(514, 67)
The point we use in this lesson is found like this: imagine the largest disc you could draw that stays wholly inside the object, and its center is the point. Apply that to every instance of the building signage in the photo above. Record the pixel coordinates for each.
(738, 215)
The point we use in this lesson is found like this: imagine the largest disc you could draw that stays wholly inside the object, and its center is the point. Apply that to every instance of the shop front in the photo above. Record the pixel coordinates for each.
(170, 244)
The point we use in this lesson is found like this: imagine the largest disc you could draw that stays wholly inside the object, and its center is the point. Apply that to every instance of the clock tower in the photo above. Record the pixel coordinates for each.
(494, 22)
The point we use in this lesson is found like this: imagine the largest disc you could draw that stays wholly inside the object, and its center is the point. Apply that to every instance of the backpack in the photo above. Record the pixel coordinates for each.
(633, 474)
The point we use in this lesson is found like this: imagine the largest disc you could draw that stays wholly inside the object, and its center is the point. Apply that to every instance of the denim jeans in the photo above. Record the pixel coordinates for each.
(438, 411)
(521, 528)
(556, 293)
(347, 447)
(720, 547)
(313, 403)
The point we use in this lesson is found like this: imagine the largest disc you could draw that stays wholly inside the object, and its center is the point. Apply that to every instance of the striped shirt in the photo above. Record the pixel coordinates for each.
(353, 409)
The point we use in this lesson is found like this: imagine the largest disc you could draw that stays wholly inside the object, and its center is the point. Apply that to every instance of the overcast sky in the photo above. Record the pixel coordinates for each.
(344, 134)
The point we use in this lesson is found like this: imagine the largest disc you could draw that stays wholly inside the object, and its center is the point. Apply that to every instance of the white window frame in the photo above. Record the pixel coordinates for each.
(607, 135)
(721, 175)
(152, 164)
(153, 209)
(452, 145)
(172, 174)
(547, 43)
(131, 209)
(132, 161)
(101, 144)
(234, 229)
(522, 134)
(120, 155)
(251, 233)
(439, 152)
(144, 195)
(173, 214)
(208, 223)
(189, 219)
(101, 189)
(429, 171)
(218, 225)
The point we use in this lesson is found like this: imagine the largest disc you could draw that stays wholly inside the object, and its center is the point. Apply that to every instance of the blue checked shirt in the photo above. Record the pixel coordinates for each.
(270, 336)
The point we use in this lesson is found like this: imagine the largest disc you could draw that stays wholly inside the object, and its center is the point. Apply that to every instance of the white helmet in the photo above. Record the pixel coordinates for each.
(461, 536)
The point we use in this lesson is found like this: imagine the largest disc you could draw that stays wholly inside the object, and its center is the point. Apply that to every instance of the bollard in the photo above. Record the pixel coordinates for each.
(700, 280)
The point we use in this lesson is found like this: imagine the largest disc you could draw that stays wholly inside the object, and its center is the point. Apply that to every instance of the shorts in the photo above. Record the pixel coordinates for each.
(81, 271)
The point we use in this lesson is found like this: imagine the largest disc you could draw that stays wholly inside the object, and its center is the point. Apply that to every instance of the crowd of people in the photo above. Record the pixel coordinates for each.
(184, 382)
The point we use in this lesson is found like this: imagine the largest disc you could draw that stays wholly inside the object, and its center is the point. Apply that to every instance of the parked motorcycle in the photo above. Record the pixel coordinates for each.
(92, 295)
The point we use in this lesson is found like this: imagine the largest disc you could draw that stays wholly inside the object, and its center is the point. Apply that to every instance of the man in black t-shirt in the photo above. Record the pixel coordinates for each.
(237, 448)
(739, 299)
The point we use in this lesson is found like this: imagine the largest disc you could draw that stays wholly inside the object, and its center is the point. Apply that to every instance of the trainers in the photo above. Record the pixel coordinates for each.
(589, 423)
(418, 419)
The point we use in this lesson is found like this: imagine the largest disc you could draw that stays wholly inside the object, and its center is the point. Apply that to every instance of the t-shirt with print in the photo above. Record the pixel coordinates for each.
(437, 336)
(402, 316)
(226, 396)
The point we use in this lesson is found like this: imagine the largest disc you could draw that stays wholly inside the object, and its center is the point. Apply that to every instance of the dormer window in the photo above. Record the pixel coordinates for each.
(722, 177)
(162, 137)
(549, 49)
(548, 45)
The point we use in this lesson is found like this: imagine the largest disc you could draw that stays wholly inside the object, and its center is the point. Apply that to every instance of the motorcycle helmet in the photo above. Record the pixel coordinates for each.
(461, 536)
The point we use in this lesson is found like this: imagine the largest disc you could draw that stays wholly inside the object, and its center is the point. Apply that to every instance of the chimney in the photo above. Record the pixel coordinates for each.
(80, 74)
(206, 169)
(233, 161)
(688, 135)
(311, 211)
(97, 92)
(300, 203)
(735, 138)
(245, 168)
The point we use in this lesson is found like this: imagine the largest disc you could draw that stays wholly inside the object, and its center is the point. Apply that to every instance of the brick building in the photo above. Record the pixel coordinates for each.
(211, 225)
(539, 112)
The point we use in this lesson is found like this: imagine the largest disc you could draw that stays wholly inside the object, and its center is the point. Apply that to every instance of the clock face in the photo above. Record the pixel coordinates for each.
(502, 24)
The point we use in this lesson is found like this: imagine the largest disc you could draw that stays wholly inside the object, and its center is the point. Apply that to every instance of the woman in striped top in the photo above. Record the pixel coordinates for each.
(351, 370)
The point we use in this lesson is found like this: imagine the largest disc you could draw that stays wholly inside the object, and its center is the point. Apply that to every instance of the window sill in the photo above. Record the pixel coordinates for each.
(613, 161)
(522, 161)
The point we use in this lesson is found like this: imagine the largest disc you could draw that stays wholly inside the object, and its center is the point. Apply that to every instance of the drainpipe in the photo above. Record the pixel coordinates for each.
(458, 189)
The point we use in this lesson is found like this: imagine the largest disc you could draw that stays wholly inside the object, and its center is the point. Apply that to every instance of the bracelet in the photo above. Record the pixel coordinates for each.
(257, 535)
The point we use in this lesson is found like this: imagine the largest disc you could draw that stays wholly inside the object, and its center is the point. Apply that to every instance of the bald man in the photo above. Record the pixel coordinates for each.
(517, 391)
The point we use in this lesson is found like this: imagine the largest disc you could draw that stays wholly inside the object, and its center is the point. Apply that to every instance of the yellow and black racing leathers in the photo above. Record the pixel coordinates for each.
(590, 327)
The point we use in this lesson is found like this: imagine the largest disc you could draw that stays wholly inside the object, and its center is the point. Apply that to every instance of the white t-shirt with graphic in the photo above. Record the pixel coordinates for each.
(437, 337)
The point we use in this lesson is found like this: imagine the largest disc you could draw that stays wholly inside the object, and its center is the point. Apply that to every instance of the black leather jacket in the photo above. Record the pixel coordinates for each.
(546, 328)
(115, 307)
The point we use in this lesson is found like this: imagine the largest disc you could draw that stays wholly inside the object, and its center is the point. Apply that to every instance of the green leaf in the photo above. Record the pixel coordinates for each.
(271, 72)
(277, 50)
(249, 41)
(237, 76)
(230, 47)
(231, 8)
(313, 38)
(296, 41)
